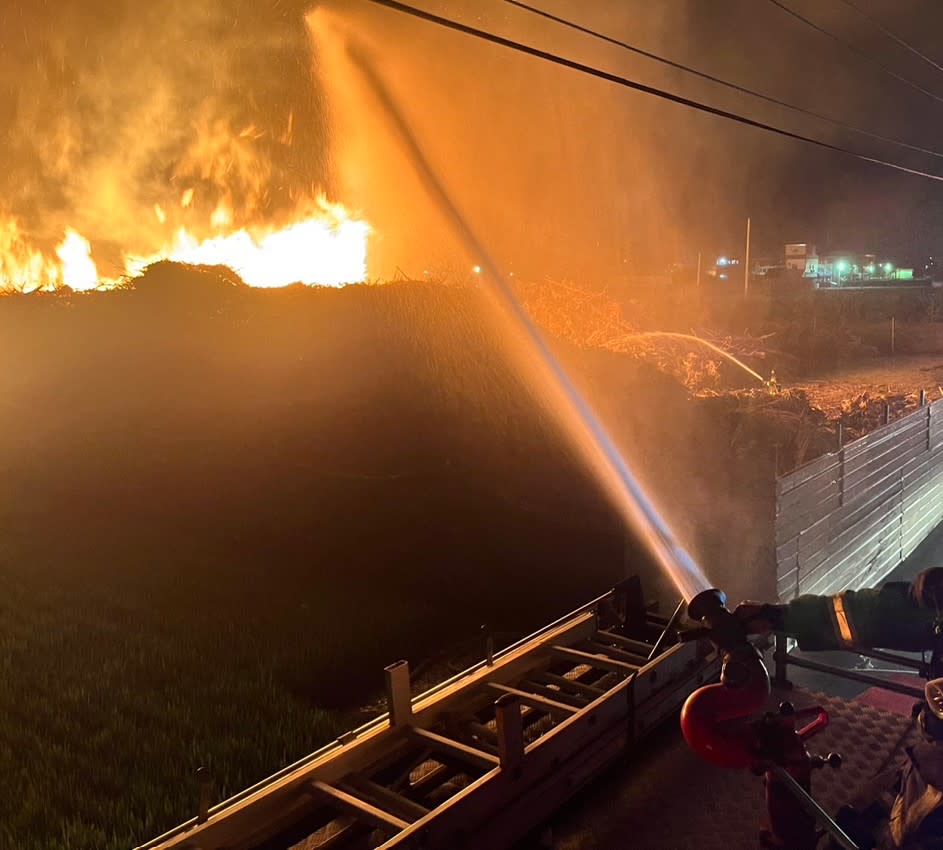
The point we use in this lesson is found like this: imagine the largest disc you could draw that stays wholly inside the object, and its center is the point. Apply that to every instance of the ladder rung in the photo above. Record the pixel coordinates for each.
(589, 691)
(600, 661)
(558, 694)
(469, 755)
(434, 778)
(636, 646)
(541, 703)
(356, 806)
(396, 803)
(615, 652)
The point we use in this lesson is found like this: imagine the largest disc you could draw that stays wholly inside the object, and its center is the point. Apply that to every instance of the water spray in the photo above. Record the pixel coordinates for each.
(716, 719)
(706, 343)
(574, 412)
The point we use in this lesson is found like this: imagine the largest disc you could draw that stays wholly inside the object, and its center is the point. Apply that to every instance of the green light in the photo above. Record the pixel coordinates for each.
(842, 266)
(888, 268)
(871, 269)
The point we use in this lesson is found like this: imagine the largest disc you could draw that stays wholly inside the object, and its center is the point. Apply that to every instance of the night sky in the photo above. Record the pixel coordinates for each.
(562, 175)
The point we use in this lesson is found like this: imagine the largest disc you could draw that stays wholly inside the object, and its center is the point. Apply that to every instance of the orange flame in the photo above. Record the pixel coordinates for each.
(23, 268)
(75, 254)
(324, 246)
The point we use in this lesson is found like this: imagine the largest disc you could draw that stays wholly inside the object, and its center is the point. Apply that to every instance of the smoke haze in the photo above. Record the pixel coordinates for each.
(111, 108)
(570, 176)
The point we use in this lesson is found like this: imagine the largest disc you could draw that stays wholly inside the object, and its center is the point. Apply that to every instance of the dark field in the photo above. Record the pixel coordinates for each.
(225, 510)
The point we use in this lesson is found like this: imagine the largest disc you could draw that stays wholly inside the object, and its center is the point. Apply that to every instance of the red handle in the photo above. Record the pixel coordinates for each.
(814, 726)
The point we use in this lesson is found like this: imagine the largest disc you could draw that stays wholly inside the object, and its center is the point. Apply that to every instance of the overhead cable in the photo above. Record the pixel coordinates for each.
(892, 35)
(719, 81)
(625, 82)
(867, 57)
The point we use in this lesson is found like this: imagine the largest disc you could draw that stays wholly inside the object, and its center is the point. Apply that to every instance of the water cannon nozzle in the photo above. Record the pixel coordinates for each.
(706, 603)
(724, 629)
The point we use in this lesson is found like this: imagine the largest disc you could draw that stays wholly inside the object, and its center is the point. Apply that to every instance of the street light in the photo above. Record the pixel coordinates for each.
(841, 266)
(888, 268)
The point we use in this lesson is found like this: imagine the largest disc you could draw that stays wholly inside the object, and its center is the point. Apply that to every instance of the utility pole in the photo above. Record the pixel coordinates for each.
(746, 264)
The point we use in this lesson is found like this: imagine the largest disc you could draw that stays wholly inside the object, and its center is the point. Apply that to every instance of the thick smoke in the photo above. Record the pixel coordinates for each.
(571, 176)
(110, 108)
(113, 107)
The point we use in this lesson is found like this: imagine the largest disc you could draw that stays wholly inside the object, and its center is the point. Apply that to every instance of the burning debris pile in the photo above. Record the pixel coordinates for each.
(322, 244)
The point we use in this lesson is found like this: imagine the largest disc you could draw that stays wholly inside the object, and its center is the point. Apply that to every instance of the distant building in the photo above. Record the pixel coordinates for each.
(841, 268)
(761, 266)
(802, 257)
(726, 267)
(846, 268)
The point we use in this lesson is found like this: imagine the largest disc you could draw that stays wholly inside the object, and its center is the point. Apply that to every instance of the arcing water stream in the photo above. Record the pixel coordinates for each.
(575, 415)
(716, 348)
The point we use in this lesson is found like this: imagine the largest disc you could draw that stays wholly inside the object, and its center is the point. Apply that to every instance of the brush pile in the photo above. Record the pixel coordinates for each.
(790, 427)
(592, 319)
(867, 412)
(785, 426)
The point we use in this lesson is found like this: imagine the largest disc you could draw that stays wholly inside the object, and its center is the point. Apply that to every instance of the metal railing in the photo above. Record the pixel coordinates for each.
(782, 658)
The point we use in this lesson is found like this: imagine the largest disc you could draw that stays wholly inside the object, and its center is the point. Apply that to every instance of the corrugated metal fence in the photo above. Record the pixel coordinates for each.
(847, 519)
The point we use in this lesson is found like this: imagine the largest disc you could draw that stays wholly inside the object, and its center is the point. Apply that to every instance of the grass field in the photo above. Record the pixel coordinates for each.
(224, 511)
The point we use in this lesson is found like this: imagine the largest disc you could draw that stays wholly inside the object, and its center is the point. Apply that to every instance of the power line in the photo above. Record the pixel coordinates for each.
(719, 81)
(636, 86)
(867, 57)
(892, 35)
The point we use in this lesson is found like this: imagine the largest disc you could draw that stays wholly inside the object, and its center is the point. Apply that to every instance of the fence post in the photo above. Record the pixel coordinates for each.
(923, 398)
(489, 644)
(398, 696)
(841, 477)
(929, 427)
(900, 525)
(887, 412)
(510, 729)
(205, 778)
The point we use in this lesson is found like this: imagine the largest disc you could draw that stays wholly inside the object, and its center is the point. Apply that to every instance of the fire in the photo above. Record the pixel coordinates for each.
(78, 270)
(24, 268)
(324, 246)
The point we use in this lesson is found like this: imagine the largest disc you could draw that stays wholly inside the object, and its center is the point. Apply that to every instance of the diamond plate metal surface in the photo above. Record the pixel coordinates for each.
(665, 798)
